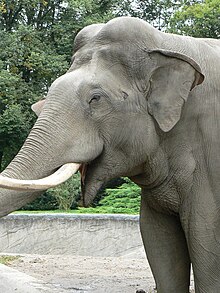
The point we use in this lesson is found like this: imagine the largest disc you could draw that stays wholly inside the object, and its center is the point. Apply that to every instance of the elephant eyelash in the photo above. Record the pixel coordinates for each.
(95, 98)
(125, 95)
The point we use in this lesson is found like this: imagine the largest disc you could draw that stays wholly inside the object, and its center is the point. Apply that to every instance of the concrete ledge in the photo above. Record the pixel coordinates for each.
(83, 235)
(13, 281)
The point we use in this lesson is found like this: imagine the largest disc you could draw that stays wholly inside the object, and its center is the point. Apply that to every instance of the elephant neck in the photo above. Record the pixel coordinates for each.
(155, 171)
(170, 176)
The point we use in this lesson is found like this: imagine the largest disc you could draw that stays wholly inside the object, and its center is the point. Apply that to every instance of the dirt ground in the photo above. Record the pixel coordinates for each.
(88, 274)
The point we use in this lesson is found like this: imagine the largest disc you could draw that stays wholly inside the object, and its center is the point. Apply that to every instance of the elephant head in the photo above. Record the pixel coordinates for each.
(107, 112)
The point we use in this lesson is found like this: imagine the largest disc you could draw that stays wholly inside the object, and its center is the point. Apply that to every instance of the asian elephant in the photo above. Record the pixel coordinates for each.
(145, 104)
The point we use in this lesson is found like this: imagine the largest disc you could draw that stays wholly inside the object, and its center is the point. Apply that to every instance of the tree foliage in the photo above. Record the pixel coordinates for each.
(15, 117)
(198, 19)
(125, 198)
(67, 194)
(156, 12)
(63, 197)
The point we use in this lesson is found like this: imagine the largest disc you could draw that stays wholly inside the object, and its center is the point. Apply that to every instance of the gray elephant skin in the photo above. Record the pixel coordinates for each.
(145, 104)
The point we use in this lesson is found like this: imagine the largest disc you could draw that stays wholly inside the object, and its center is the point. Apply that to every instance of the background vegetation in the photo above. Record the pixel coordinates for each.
(36, 40)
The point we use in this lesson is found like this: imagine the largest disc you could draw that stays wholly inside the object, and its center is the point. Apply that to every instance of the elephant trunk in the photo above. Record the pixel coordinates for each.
(36, 159)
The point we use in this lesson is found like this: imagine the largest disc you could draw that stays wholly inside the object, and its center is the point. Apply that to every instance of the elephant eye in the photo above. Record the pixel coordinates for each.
(95, 98)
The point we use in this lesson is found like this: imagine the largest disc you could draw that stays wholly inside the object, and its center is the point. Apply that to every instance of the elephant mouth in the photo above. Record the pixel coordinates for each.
(89, 182)
(89, 186)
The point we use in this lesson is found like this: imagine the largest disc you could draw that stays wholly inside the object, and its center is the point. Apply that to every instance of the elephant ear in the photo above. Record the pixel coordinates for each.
(38, 107)
(170, 84)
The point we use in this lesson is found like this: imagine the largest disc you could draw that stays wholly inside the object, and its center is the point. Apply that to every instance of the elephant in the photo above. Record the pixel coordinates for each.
(145, 104)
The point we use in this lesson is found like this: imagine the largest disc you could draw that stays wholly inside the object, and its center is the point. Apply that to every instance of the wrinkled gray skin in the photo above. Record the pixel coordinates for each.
(131, 105)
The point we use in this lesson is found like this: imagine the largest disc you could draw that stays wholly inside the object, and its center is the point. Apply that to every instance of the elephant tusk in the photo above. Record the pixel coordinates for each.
(58, 177)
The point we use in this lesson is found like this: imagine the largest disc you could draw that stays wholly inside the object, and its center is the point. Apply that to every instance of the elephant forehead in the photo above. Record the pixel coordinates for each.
(104, 55)
(109, 45)
(122, 39)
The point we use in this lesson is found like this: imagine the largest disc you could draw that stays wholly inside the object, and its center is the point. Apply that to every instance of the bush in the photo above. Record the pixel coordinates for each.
(124, 199)
(44, 202)
(68, 193)
(113, 183)
(63, 197)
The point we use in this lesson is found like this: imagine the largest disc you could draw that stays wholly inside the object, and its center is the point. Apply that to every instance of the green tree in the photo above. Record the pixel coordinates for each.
(15, 116)
(13, 127)
(156, 12)
(198, 19)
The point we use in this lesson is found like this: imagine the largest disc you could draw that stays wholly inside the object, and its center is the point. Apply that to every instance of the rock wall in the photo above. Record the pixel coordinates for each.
(85, 235)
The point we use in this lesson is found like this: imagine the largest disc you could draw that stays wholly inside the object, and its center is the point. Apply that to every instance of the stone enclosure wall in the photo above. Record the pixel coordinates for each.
(85, 235)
